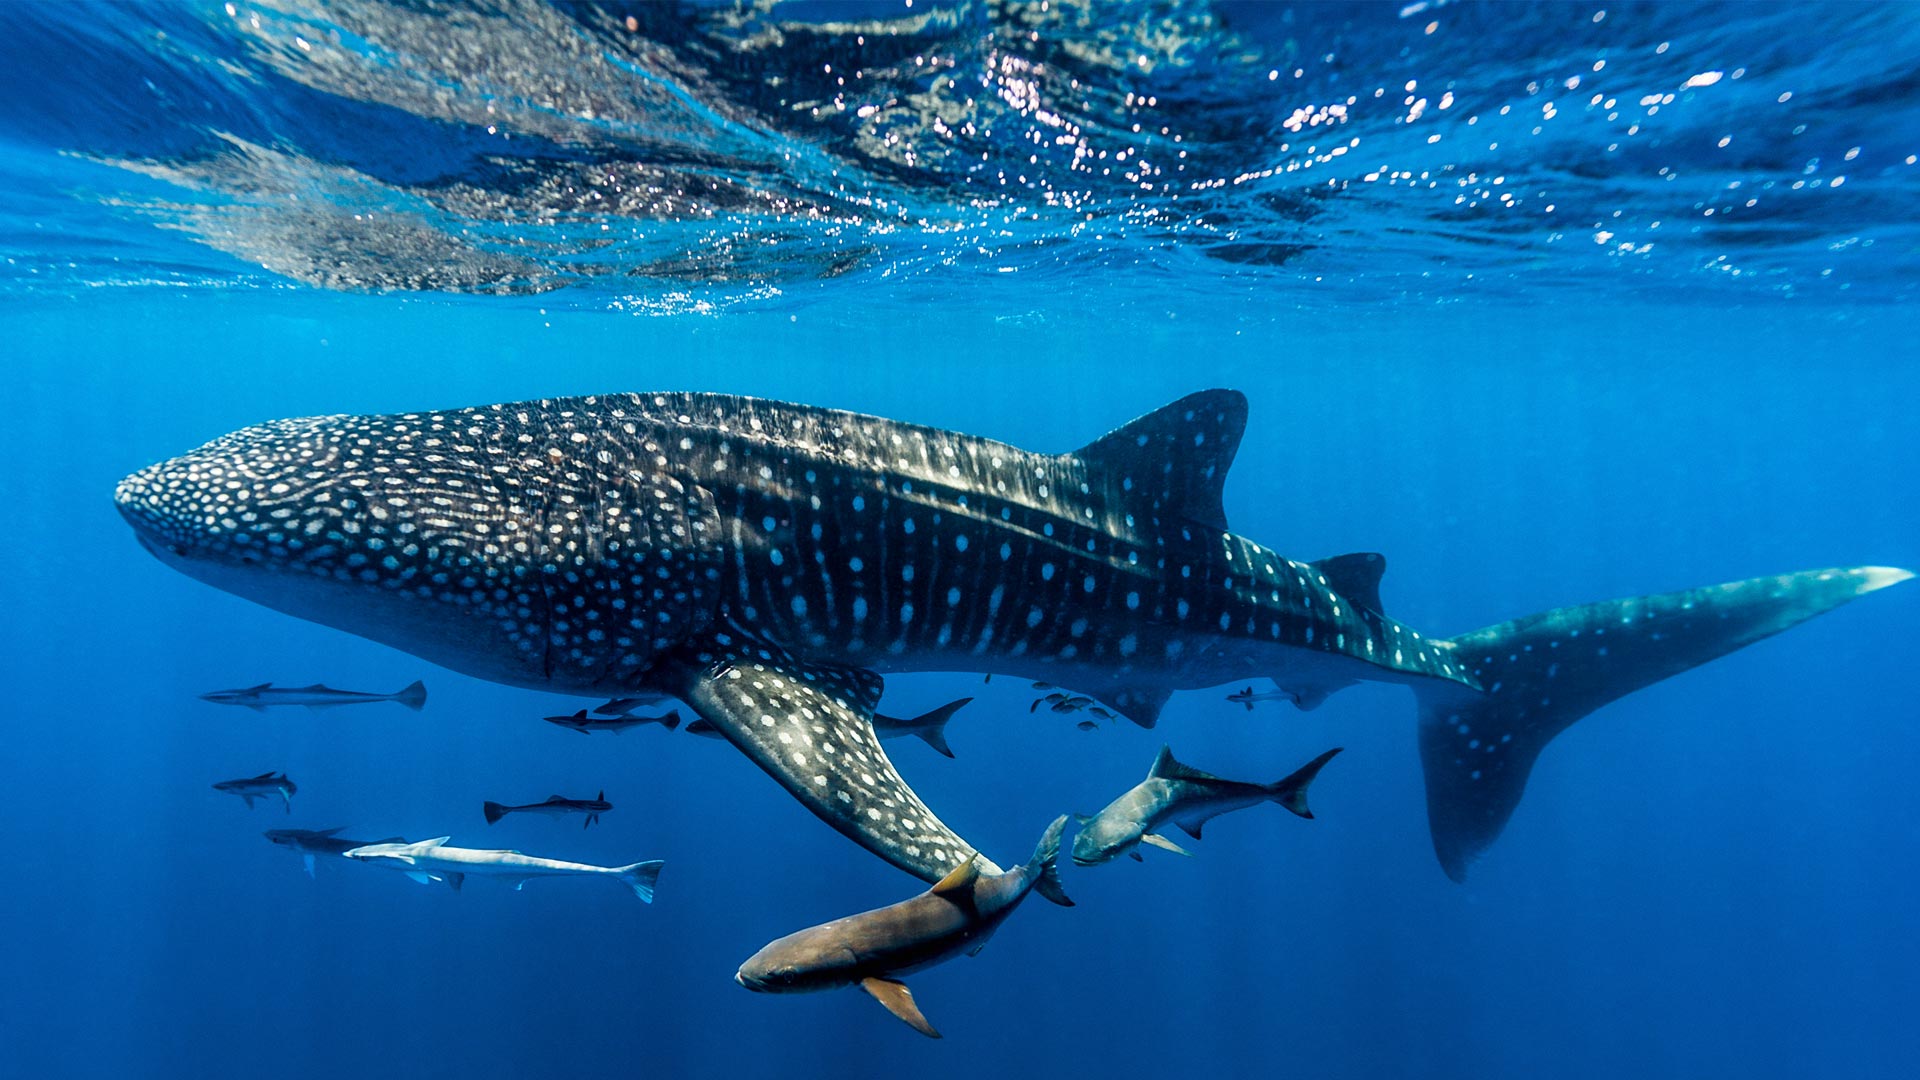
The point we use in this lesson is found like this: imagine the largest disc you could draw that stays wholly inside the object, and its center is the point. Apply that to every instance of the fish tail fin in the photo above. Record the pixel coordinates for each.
(414, 696)
(1292, 791)
(669, 719)
(1043, 866)
(640, 877)
(931, 726)
(1541, 673)
(493, 810)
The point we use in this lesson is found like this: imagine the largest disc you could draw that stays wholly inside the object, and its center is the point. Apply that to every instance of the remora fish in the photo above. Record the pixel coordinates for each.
(767, 563)
(312, 842)
(433, 860)
(929, 727)
(1247, 697)
(265, 785)
(317, 696)
(585, 724)
(1187, 797)
(555, 806)
(873, 949)
(627, 706)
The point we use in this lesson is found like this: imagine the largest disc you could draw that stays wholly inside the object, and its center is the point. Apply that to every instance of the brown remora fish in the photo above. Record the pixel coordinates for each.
(873, 949)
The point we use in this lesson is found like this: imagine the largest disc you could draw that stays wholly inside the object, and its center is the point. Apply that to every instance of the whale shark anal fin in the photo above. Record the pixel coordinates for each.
(811, 728)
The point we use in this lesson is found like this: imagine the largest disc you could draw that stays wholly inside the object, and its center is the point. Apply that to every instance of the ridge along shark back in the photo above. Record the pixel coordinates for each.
(767, 563)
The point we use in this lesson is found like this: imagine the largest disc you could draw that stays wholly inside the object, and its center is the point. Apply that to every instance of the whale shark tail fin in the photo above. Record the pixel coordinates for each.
(1046, 879)
(640, 877)
(1541, 673)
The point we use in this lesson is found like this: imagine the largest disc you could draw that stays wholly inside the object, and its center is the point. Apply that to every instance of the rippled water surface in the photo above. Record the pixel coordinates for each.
(659, 157)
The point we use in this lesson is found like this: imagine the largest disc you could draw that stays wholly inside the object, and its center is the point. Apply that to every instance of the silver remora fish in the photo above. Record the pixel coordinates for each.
(1187, 797)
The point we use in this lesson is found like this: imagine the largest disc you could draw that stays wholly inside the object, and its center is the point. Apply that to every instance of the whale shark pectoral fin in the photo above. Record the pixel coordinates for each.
(1176, 456)
(899, 1001)
(810, 727)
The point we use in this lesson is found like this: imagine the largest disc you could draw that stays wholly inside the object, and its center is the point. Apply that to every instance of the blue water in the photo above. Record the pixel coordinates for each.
(209, 225)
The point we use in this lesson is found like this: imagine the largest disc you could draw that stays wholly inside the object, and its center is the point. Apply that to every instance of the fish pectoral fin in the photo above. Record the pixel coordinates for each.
(454, 881)
(1136, 856)
(1165, 844)
(899, 1001)
(421, 876)
(307, 861)
(810, 727)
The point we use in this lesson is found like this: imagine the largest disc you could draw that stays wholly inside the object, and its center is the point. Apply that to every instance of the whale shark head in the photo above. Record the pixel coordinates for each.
(518, 543)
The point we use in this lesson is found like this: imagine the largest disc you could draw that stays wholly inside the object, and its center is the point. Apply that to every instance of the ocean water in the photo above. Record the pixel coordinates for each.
(1548, 303)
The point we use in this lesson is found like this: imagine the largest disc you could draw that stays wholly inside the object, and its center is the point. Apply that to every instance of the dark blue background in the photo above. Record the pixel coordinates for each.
(1712, 877)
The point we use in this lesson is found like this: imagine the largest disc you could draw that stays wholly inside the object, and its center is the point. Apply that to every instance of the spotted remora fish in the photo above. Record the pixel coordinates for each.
(413, 696)
(264, 786)
(873, 949)
(315, 842)
(767, 564)
(434, 860)
(554, 806)
(929, 727)
(1187, 797)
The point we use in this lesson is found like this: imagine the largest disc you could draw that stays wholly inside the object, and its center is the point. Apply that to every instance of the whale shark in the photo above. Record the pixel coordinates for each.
(768, 564)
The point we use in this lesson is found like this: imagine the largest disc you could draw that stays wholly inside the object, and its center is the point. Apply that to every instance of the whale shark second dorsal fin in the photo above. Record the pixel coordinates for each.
(1174, 460)
(1166, 768)
(1356, 577)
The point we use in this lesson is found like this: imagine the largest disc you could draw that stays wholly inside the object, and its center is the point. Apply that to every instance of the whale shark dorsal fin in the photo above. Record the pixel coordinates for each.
(314, 686)
(1166, 768)
(958, 885)
(810, 727)
(1356, 577)
(1174, 460)
(257, 689)
(899, 1001)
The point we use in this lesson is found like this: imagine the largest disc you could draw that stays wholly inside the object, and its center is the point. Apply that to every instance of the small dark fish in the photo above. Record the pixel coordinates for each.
(1087, 725)
(1247, 697)
(987, 678)
(627, 706)
(585, 724)
(1043, 686)
(555, 806)
(1065, 707)
(317, 696)
(266, 785)
(1100, 712)
(1050, 699)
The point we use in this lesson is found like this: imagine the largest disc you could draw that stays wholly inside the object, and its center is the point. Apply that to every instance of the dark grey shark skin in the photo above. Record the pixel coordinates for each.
(313, 842)
(264, 786)
(1187, 797)
(874, 948)
(767, 563)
